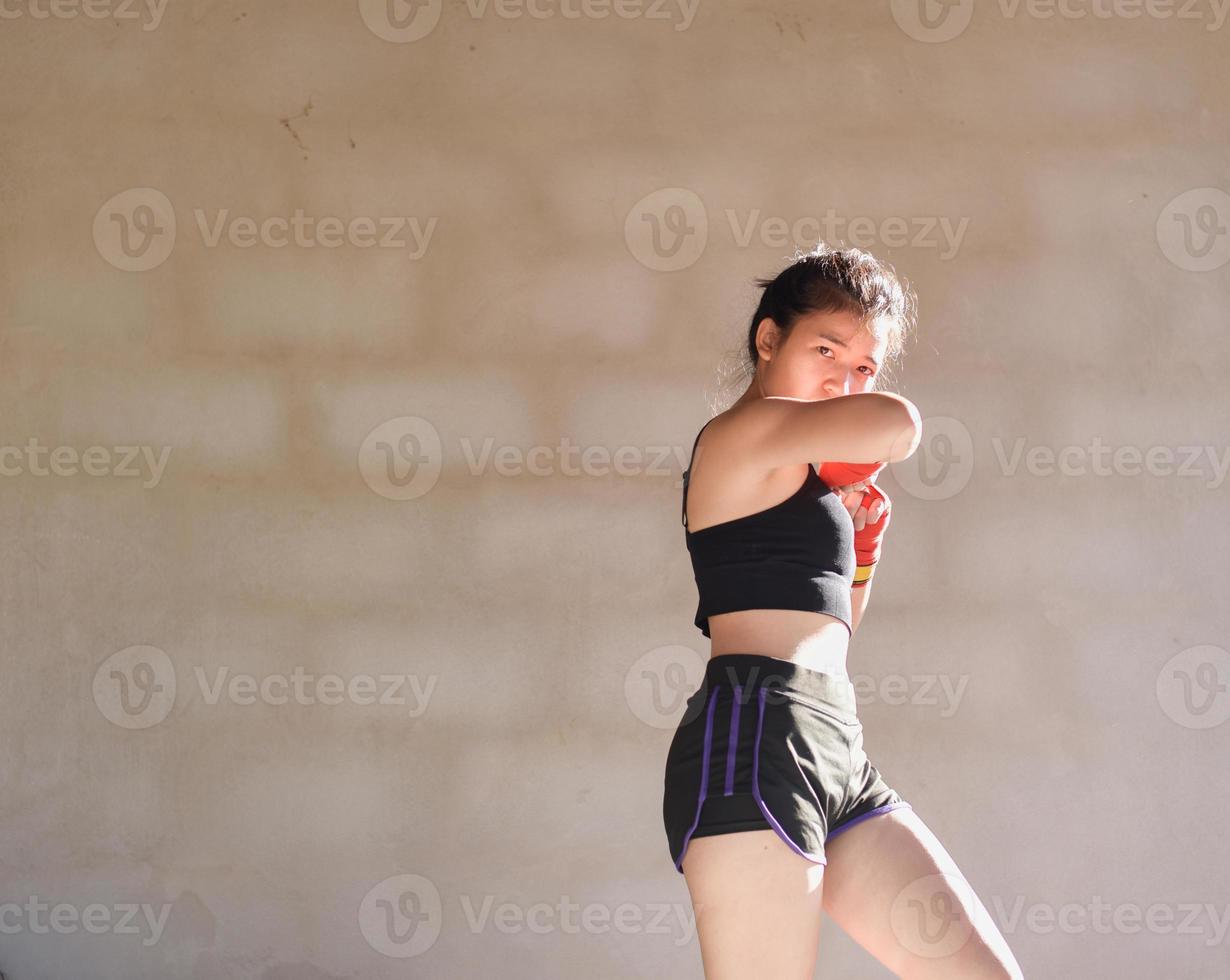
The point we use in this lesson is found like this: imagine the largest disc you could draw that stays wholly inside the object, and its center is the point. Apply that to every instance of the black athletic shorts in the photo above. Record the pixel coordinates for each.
(766, 743)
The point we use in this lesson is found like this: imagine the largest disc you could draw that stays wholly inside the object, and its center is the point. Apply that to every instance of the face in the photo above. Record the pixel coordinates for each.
(825, 355)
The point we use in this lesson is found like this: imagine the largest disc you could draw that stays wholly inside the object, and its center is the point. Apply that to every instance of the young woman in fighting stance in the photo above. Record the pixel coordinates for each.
(771, 806)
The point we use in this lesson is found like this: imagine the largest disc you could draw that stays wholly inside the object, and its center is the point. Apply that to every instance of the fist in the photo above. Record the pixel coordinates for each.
(850, 481)
(871, 516)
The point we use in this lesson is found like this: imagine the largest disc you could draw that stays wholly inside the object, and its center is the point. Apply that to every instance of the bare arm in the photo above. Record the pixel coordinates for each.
(858, 605)
(866, 427)
(861, 514)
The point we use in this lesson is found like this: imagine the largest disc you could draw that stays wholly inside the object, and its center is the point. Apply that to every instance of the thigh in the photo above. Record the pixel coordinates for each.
(895, 890)
(757, 905)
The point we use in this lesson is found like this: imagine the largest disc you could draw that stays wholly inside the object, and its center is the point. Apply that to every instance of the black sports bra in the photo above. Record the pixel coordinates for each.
(798, 554)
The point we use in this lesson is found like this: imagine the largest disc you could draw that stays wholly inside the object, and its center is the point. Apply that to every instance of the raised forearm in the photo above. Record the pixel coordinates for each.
(858, 603)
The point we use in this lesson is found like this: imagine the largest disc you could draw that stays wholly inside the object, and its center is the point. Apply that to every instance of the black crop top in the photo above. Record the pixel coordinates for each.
(798, 554)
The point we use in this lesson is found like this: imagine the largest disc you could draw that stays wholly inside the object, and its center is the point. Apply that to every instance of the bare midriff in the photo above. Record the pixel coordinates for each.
(810, 639)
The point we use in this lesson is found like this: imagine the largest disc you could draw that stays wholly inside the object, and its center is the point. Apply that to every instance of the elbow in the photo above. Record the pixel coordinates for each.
(903, 428)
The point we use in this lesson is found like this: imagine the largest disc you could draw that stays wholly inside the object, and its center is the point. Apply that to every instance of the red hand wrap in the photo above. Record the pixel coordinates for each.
(843, 474)
(867, 541)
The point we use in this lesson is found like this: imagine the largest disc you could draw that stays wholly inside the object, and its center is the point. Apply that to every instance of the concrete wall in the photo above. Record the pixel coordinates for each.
(478, 791)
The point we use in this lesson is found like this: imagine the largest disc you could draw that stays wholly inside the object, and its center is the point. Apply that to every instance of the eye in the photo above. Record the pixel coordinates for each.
(862, 367)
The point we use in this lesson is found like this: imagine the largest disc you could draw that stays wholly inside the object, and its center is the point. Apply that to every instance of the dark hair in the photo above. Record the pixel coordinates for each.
(827, 280)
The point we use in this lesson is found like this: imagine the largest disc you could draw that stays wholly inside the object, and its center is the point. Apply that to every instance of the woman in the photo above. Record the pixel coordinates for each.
(772, 809)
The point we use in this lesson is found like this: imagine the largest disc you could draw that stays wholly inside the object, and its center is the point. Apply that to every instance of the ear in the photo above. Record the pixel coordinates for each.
(767, 335)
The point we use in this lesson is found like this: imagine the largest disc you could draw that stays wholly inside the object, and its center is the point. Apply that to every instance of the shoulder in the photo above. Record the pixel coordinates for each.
(731, 438)
(746, 423)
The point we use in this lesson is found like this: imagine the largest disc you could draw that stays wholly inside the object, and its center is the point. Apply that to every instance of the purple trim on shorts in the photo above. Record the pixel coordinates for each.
(732, 746)
(704, 779)
(817, 858)
(864, 816)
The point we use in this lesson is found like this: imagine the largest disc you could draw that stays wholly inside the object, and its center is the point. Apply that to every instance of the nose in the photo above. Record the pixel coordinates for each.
(837, 383)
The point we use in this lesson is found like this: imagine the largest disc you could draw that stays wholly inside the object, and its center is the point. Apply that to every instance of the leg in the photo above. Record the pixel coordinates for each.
(895, 890)
(757, 906)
